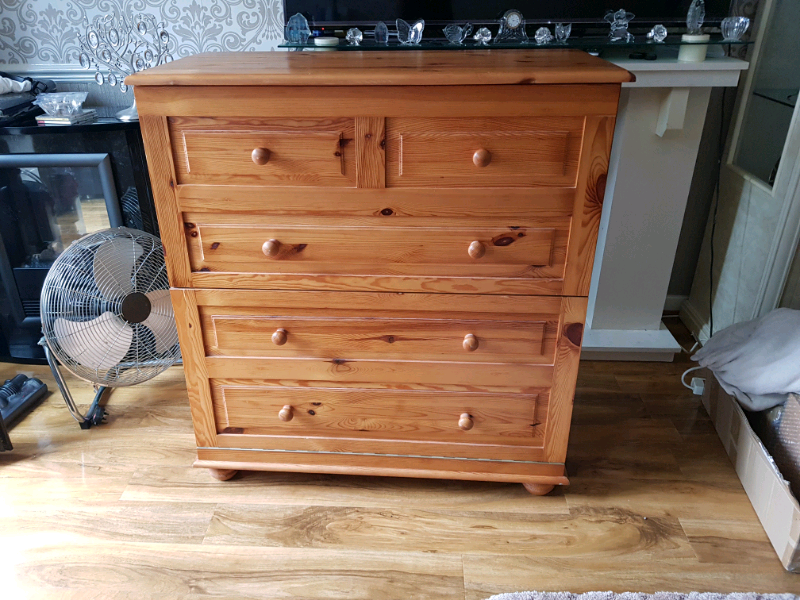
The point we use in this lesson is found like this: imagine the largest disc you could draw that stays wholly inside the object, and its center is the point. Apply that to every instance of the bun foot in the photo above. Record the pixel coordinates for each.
(225, 474)
(538, 489)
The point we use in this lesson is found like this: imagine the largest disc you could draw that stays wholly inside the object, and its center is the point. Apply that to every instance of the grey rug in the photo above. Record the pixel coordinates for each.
(638, 596)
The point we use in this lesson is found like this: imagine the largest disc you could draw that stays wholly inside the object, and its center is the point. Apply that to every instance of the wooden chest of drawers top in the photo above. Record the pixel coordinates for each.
(415, 68)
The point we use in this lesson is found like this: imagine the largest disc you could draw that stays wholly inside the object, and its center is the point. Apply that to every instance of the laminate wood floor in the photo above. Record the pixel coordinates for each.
(118, 512)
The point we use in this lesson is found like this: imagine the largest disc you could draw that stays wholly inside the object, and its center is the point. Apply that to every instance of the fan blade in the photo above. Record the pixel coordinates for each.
(161, 320)
(113, 266)
(97, 344)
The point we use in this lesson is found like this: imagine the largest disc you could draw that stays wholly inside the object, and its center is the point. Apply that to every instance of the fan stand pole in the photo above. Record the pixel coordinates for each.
(95, 414)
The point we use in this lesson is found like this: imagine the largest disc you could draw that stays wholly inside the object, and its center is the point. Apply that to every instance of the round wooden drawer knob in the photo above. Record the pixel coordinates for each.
(481, 158)
(271, 248)
(260, 156)
(286, 413)
(476, 249)
(465, 422)
(470, 343)
(279, 337)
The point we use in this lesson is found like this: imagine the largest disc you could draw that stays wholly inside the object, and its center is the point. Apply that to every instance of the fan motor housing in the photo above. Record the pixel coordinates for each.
(136, 307)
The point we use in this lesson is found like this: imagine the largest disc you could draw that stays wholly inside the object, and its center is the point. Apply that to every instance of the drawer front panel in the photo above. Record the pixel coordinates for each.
(368, 337)
(483, 152)
(369, 413)
(312, 152)
(522, 251)
(290, 324)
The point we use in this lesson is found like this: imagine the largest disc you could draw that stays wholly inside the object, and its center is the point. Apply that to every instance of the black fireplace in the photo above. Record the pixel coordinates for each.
(56, 185)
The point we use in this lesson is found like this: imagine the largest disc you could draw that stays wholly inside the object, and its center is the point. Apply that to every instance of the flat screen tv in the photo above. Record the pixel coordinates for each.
(365, 12)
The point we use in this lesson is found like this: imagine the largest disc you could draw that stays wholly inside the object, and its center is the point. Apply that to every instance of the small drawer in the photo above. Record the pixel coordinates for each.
(523, 251)
(262, 408)
(309, 152)
(483, 152)
(411, 327)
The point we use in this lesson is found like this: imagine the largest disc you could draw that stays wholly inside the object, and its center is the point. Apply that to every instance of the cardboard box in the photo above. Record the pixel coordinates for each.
(769, 493)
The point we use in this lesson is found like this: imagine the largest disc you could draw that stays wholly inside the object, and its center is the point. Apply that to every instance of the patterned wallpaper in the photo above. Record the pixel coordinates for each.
(45, 31)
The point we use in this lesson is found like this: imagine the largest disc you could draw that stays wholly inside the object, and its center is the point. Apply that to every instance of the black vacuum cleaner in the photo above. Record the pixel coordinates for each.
(17, 397)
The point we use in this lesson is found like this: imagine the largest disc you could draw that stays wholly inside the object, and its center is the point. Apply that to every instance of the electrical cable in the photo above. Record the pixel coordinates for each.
(683, 377)
(715, 200)
(720, 150)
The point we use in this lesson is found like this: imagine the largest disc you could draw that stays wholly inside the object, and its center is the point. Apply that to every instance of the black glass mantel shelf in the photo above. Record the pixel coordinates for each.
(588, 43)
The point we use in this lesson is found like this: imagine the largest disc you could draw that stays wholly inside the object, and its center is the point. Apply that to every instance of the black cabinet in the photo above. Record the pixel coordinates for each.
(57, 184)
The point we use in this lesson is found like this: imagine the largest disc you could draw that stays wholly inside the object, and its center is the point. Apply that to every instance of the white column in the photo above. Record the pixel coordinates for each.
(656, 141)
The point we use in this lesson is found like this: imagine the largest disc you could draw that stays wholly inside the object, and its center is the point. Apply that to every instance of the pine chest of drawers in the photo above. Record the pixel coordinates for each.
(380, 260)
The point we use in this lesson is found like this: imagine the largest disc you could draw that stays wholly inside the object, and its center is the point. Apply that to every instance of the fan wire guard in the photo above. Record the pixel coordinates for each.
(84, 321)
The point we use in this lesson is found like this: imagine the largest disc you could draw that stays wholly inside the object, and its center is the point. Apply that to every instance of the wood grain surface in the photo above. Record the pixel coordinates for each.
(118, 512)
(469, 100)
(370, 413)
(371, 154)
(474, 67)
(155, 134)
(377, 205)
(589, 196)
(302, 152)
(421, 337)
(522, 152)
(519, 251)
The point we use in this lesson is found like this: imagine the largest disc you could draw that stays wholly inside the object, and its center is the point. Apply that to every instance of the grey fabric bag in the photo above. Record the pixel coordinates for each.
(757, 362)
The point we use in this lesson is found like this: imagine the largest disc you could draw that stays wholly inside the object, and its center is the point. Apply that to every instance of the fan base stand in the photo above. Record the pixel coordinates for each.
(95, 415)
(223, 474)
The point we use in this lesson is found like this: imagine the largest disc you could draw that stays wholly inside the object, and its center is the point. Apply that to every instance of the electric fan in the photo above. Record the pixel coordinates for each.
(106, 314)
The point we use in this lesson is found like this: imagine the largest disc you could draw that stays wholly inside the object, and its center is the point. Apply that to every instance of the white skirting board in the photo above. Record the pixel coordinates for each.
(769, 493)
(652, 345)
(694, 321)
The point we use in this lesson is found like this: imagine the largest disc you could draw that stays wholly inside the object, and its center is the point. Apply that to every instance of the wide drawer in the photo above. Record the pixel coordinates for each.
(483, 152)
(272, 152)
(330, 325)
(264, 408)
(534, 249)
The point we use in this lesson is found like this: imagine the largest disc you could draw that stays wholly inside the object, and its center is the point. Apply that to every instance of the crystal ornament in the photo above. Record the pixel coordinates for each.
(543, 36)
(563, 31)
(695, 17)
(512, 29)
(456, 34)
(657, 34)
(122, 47)
(409, 34)
(381, 33)
(619, 21)
(354, 36)
(482, 36)
(733, 28)
(297, 31)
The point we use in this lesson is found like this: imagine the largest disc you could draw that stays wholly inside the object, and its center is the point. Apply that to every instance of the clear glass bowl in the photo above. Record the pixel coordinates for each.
(61, 104)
